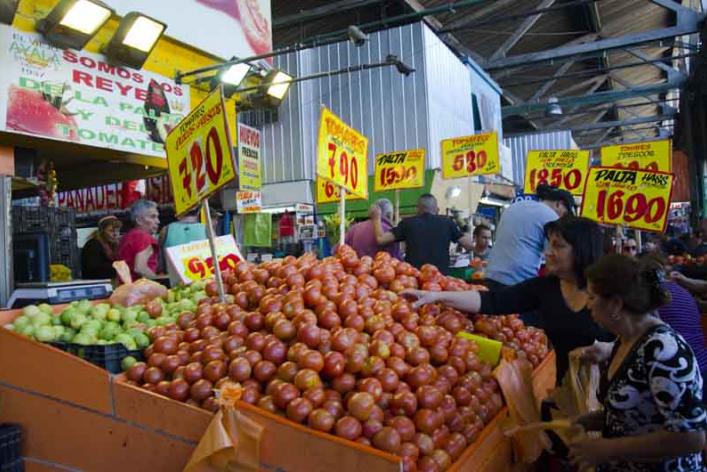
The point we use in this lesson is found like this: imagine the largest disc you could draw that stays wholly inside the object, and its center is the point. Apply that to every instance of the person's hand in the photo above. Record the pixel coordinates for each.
(421, 297)
(677, 277)
(586, 452)
(596, 353)
(374, 212)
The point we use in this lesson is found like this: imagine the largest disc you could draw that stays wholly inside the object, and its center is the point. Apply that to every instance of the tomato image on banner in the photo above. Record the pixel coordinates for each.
(635, 198)
(564, 169)
(399, 170)
(470, 155)
(342, 154)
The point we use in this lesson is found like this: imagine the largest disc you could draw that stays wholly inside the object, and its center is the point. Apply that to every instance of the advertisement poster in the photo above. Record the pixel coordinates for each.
(244, 26)
(249, 158)
(77, 96)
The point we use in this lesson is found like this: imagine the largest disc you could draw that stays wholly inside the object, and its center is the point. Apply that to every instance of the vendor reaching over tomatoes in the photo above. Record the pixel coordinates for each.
(560, 299)
(427, 235)
(139, 248)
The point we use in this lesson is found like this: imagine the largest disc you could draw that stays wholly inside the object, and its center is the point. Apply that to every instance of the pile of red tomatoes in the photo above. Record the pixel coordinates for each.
(330, 344)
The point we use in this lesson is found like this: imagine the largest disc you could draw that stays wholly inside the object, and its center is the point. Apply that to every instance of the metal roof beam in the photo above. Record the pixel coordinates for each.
(687, 23)
(319, 12)
(518, 34)
(548, 85)
(617, 123)
(482, 12)
(595, 82)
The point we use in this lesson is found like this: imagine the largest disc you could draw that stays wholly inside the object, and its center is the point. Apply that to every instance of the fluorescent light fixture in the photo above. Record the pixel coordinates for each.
(8, 8)
(72, 23)
(134, 39)
(85, 16)
(143, 34)
(553, 107)
(235, 74)
(278, 83)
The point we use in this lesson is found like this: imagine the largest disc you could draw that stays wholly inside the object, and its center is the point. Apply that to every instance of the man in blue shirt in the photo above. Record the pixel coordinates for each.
(520, 237)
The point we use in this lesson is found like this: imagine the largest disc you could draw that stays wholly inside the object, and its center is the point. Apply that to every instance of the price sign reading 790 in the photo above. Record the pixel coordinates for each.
(635, 198)
(342, 155)
(199, 153)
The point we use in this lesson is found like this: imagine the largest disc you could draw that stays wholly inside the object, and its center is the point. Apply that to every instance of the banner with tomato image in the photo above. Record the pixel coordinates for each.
(470, 155)
(564, 169)
(77, 96)
(637, 199)
(654, 156)
(399, 170)
(342, 155)
(244, 26)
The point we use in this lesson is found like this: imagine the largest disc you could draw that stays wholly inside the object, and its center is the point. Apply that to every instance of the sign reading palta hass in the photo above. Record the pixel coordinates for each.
(77, 96)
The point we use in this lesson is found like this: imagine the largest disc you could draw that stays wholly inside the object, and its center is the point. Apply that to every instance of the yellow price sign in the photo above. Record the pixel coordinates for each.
(327, 192)
(400, 170)
(654, 156)
(249, 157)
(638, 199)
(199, 153)
(561, 168)
(342, 154)
(470, 155)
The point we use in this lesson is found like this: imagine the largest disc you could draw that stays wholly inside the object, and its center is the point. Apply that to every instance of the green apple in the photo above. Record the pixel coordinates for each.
(113, 314)
(84, 339)
(127, 362)
(42, 319)
(109, 332)
(129, 315)
(31, 311)
(58, 331)
(27, 330)
(141, 340)
(68, 335)
(143, 316)
(56, 321)
(126, 340)
(77, 320)
(45, 334)
(46, 308)
(21, 321)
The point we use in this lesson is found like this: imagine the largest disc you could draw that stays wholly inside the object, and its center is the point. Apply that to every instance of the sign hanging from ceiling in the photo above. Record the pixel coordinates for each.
(635, 198)
(76, 96)
(249, 158)
(470, 155)
(654, 156)
(327, 192)
(243, 26)
(564, 169)
(399, 170)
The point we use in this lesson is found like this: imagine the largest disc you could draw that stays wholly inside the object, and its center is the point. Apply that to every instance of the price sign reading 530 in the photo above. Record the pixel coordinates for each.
(470, 155)
(635, 198)
(199, 153)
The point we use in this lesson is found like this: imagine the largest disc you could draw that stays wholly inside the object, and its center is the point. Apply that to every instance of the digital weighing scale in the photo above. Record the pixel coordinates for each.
(56, 293)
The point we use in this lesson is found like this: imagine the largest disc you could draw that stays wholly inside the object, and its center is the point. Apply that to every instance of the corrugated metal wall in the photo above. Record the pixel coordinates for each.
(521, 144)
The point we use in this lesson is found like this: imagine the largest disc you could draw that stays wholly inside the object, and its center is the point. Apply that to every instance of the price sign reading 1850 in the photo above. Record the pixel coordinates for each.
(199, 153)
(470, 155)
(560, 168)
(399, 170)
(635, 198)
(342, 155)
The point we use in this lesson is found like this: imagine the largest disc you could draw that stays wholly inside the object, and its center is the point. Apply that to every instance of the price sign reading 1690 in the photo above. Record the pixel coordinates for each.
(199, 153)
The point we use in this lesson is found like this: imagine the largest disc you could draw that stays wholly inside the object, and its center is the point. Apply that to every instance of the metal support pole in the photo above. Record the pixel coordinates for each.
(214, 255)
(7, 279)
(342, 217)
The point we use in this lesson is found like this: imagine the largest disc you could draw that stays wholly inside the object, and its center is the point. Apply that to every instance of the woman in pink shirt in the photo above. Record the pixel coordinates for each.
(362, 238)
(139, 248)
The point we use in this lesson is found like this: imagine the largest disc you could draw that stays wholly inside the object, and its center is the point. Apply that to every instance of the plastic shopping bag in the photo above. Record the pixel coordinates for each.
(134, 293)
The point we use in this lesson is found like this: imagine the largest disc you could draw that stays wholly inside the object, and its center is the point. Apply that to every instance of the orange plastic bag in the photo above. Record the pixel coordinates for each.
(231, 442)
(515, 379)
(137, 293)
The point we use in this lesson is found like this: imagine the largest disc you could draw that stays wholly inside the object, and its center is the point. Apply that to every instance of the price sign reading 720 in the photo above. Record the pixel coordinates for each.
(199, 153)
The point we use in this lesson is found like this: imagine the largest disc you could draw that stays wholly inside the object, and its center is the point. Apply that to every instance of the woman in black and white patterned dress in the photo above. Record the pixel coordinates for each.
(653, 417)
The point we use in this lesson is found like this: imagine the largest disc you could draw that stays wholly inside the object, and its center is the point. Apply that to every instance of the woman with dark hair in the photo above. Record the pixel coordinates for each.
(101, 250)
(653, 417)
(560, 299)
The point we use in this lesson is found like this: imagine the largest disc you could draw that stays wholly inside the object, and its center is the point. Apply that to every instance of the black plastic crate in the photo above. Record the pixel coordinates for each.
(10, 444)
(18, 465)
(107, 356)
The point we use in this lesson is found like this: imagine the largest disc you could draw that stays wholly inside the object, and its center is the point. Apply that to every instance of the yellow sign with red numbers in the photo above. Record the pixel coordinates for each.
(636, 198)
(193, 261)
(656, 156)
(399, 170)
(564, 169)
(470, 155)
(199, 153)
(342, 154)
(327, 192)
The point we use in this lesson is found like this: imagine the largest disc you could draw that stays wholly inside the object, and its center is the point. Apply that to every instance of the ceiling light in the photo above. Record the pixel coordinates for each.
(7, 11)
(235, 74)
(72, 23)
(400, 65)
(553, 107)
(277, 83)
(134, 39)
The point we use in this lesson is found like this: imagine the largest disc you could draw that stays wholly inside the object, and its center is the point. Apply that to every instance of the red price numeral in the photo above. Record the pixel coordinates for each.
(570, 181)
(329, 189)
(230, 261)
(637, 207)
(348, 166)
(196, 266)
(473, 161)
(395, 175)
(213, 164)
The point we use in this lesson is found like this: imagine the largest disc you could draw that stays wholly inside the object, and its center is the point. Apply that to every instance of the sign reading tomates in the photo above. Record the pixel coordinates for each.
(193, 261)
(635, 198)
(199, 153)
(654, 156)
(560, 168)
(470, 155)
(400, 170)
(342, 155)
(327, 192)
